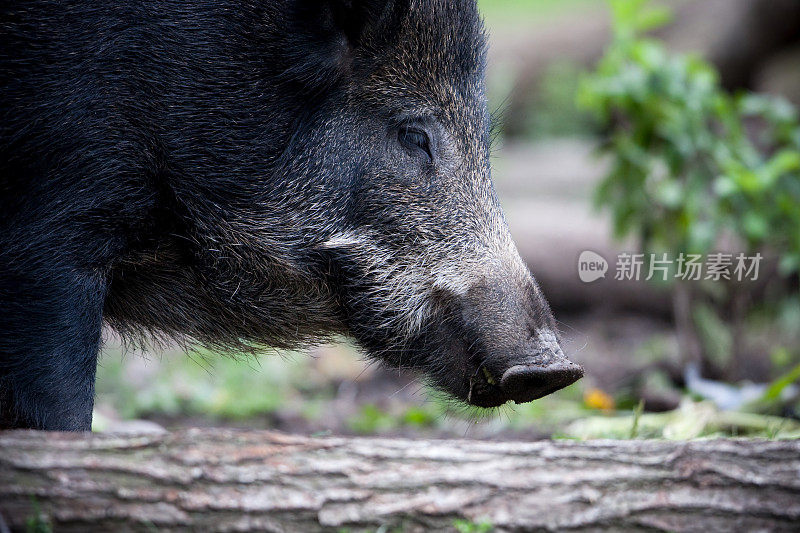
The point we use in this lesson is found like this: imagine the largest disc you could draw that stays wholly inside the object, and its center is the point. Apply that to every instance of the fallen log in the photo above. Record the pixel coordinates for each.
(228, 480)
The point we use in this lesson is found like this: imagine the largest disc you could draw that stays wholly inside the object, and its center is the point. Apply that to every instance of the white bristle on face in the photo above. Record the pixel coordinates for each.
(405, 282)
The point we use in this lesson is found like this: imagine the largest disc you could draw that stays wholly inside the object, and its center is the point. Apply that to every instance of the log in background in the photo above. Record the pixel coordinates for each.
(228, 480)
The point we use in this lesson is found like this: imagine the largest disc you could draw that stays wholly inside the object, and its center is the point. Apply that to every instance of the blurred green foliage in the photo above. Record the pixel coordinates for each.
(552, 110)
(468, 526)
(38, 522)
(691, 163)
(691, 420)
(225, 388)
(200, 383)
(549, 109)
(372, 419)
(508, 13)
(219, 388)
(777, 387)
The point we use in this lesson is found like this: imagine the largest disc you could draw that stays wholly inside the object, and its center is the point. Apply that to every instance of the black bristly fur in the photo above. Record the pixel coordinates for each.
(179, 169)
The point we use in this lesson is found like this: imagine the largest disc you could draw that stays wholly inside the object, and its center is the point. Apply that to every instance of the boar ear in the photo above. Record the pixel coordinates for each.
(360, 19)
(316, 40)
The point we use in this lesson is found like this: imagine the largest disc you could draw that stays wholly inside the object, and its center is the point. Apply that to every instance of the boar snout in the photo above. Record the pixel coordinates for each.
(523, 379)
(530, 378)
(513, 345)
(524, 383)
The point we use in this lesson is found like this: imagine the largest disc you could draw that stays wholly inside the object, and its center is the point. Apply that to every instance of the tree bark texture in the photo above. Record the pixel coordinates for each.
(229, 480)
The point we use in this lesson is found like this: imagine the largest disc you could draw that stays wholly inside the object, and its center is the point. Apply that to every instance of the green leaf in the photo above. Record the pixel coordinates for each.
(777, 387)
(724, 186)
(676, 135)
(654, 18)
(670, 194)
(756, 226)
(748, 181)
(789, 263)
(781, 163)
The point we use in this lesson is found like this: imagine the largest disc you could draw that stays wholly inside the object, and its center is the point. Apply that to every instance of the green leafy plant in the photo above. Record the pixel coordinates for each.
(421, 416)
(38, 522)
(372, 419)
(690, 161)
(692, 165)
(468, 526)
(691, 420)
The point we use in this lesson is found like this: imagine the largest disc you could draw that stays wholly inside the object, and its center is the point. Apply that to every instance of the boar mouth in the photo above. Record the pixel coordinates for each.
(520, 383)
(498, 379)
(469, 363)
(484, 391)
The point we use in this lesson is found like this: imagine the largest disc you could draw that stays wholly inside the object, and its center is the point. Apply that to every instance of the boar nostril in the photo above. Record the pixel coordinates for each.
(524, 383)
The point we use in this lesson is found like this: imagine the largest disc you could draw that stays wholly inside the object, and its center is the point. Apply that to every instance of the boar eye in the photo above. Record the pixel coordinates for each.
(415, 139)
